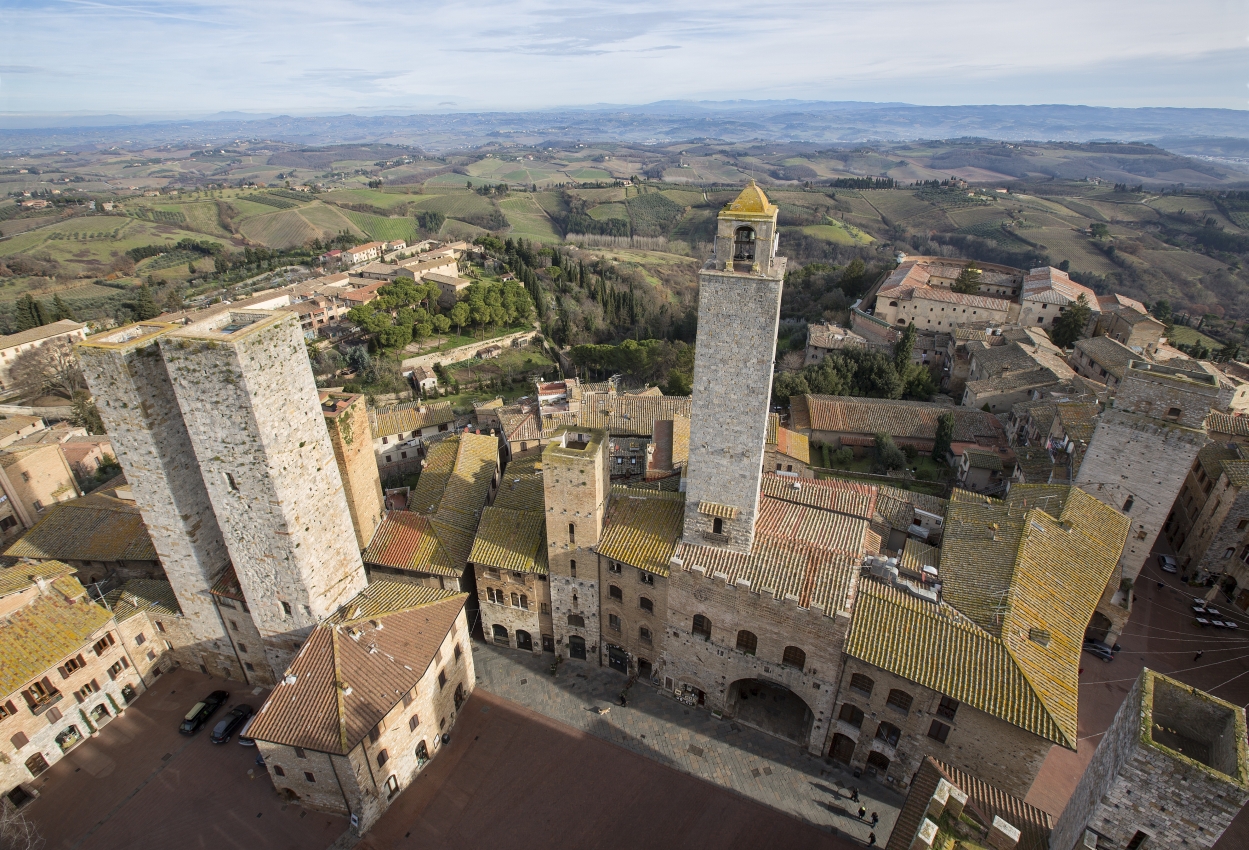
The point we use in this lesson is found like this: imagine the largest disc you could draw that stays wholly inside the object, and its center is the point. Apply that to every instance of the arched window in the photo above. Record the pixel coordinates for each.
(515, 600)
(572, 532)
(572, 568)
(1127, 506)
(615, 592)
(576, 620)
(852, 714)
(794, 657)
(893, 303)
(702, 627)
(717, 526)
(646, 605)
(900, 700)
(888, 733)
(744, 245)
(878, 762)
(644, 634)
(524, 640)
(862, 684)
(747, 642)
(524, 601)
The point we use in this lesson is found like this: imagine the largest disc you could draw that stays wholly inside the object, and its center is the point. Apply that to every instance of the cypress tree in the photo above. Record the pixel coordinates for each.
(60, 310)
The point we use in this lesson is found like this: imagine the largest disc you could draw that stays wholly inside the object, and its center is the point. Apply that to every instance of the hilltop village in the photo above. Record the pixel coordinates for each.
(719, 548)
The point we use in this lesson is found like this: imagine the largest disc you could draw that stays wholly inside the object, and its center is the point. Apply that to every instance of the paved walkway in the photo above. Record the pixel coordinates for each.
(756, 765)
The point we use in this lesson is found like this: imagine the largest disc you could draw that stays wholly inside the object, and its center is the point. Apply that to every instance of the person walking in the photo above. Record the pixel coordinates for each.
(871, 839)
(875, 819)
(1200, 653)
(854, 795)
(862, 812)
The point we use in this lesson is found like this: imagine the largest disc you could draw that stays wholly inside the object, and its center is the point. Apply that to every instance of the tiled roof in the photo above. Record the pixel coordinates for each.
(832, 337)
(520, 425)
(630, 415)
(142, 594)
(922, 501)
(808, 543)
(511, 540)
(680, 441)
(92, 528)
(947, 296)
(39, 635)
(1110, 354)
(1014, 382)
(983, 460)
(1225, 423)
(793, 444)
(22, 574)
(1053, 286)
(917, 555)
(409, 416)
(984, 803)
(642, 528)
(716, 509)
(520, 491)
(1114, 302)
(1036, 464)
(12, 423)
(405, 540)
(357, 666)
(227, 585)
(912, 419)
(63, 326)
(1037, 561)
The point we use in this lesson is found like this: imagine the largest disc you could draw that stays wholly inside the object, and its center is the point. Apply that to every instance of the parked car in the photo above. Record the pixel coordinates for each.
(201, 711)
(228, 725)
(1167, 564)
(1099, 649)
(244, 740)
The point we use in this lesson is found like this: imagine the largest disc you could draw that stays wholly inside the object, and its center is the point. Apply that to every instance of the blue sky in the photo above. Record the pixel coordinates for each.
(329, 56)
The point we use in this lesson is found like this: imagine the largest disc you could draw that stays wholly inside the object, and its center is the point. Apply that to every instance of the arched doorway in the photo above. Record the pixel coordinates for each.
(524, 640)
(878, 762)
(500, 635)
(645, 671)
(770, 707)
(576, 647)
(842, 749)
(1099, 626)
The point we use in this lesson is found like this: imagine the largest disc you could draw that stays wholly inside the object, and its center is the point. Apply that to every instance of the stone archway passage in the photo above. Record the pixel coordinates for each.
(576, 647)
(524, 640)
(772, 708)
(842, 749)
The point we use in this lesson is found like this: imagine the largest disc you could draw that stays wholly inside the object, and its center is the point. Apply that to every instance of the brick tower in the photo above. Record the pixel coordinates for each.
(348, 422)
(739, 306)
(251, 409)
(127, 375)
(576, 482)
(1170, 771)
(1137, 460)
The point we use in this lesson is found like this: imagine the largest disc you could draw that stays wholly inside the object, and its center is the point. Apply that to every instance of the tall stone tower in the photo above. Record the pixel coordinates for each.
(1138, 457)
(1170, 771)
(127, 375)
(576, 482)
(251, 409)
(347, 419)
(739, 307)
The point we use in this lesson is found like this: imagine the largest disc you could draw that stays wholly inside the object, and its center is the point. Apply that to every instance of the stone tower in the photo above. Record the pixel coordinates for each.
(1137, 460)
(251, 409)
(1170, 771)
(739, 306)
(127, 375)
(576, 484)
(347, 419)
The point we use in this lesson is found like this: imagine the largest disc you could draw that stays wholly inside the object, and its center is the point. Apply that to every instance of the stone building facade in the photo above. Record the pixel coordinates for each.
(127, 374)
(347, 420)
(739, 302)
(241, 630)
(152, 628)
(34, 478)
(1139, 457)
(515, 607)
(251, 408)
(576, 486)
(1171, 771)
(334, 741)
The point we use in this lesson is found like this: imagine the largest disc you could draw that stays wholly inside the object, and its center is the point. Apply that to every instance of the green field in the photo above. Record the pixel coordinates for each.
(381, 228)
(838, 232)
(528, 220)
(1182, 334)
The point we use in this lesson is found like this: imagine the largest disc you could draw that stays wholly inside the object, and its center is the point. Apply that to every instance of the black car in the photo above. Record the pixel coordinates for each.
(228, 725)
(1099, 649)
(201, 711)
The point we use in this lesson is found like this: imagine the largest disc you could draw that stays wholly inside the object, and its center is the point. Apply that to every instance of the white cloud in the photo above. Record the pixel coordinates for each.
(279, 55)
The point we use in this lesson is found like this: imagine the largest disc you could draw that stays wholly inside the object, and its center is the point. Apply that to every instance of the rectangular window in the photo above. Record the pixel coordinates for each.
(286, 608)
(948, 708)
(243, 648)
(299, 753)
(277, 769)
(413, 722)
(938, 731)
(613, 622)
(53, 715)
(407, 699)
(140, 639)
(647, 578)
(546, 608)
(459, 651)
(19, 740)
(160, 627)
(375, 733)
(442, 679)
(249, 666)
(308, 776)
(104, 643)
(613, 567)
(382, 758)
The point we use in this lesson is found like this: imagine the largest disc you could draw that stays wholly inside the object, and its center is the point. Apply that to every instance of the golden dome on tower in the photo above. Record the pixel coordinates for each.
(751, 202)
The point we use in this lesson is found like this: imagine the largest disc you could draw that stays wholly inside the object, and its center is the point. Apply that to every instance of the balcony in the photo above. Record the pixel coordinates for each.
(47, 702)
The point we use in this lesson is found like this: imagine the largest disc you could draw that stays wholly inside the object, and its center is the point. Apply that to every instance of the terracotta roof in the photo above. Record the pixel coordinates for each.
(520, 491)
(142, 595)
(977, 459)
(946, 296)
(12, 423)
(1110, 354)
(22, 574)
(984, 803)
(680, 441)
(227, 585)
(917, 555)
(642, 528)
(912, 419)
(520, 424)
(1015, 382)
(91, 528)
(511, 540)
(630, 415)
(793, 444)
(63, 326)
(1114, 302)
(1226, 423)
(1053, 286)
(405, 540)
(39, 635)
(357, 666)
(409, 416)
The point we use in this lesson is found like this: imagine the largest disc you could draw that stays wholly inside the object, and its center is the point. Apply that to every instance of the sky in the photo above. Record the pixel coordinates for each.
(307, 57)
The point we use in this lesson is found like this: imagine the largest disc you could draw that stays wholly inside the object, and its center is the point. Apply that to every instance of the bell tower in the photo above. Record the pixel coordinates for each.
(739, 307)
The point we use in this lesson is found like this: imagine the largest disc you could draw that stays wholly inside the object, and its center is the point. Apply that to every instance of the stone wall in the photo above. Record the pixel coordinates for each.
(634, 585)
(135, 395)
(536, 593)
(157, 643)
(714, 665)
(467, 352)
(251, 408)
(737, 322)
(350, 438)
(248, 643)
(991, 749)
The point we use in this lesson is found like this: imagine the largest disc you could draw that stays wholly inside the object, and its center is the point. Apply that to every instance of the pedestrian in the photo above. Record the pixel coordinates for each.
(875, 819)
(854, 794)
(862, 812)
(871, 839)
(1200, 653)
